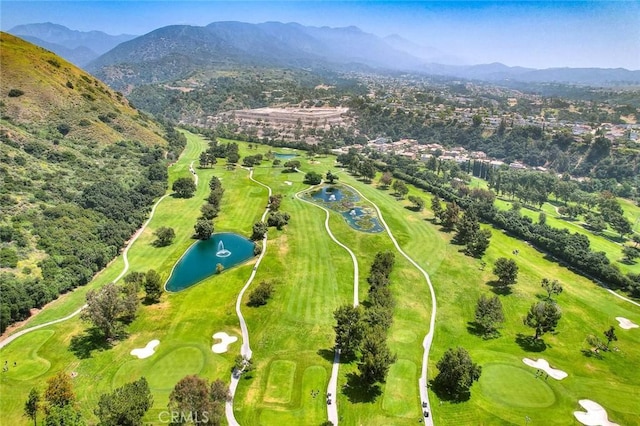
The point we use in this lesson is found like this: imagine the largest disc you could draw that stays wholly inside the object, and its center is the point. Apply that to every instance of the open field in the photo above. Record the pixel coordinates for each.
(292, 336)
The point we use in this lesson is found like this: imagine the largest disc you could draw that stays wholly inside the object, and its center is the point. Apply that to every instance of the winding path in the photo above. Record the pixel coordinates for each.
(245, 350)
(193, 172)
(14, 336)
(428, 339)
(332, 388)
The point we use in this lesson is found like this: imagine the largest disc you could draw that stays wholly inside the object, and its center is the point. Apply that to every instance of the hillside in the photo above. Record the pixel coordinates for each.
(78, 167)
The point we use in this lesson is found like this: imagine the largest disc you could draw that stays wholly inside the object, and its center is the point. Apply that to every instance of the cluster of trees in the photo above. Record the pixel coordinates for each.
(80, 228)
(358, 164)
(313, 178)
(261, 294)
(204, 225)
(184, 187)
(361, 332)
(467, 226)
(195, 400)
(58, 403)
(598, 345)
(574, 249)
(216, 150)
(252, 160)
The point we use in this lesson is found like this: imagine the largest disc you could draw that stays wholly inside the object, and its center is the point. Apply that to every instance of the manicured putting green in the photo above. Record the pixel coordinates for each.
(396, 392)
(280, 382)
(514, 386)
(32, 366)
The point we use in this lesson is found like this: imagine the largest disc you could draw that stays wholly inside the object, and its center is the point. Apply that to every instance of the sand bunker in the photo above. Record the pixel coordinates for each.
(225, 341)
(288, 183)
(543, 365)
(626, 324)
(147, 351)
(595, 415)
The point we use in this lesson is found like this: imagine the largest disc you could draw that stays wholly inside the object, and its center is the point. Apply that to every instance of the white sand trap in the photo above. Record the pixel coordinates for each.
(225, 341)
(288, 183)
(626, 324)
(147, 351)
(543, 365)
(595, 415)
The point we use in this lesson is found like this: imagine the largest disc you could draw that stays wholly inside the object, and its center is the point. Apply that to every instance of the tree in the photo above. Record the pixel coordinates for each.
(152, 285)
(104, 308)
(620, 224)
(209, 211)
(553, 288)
(261, 294)
(184, 187)
(259, 229)
(126, 405)
(219, 268)
(595, 222)
(313, 178)
(479, 243)
(376, 357)
(233, 158)
(203, 229)
(292, 165)
(400, 187)
(457, 372)
(506, 270)
(67, 415)
(190, 397)
(164, 236)
(418, 203)
(610, 334)
(274, 202)
(630, 254)
(543, 317)
(278, 219)
(450, 216)
(349, 329)
(219, 394)
(59, 391)
(32, 405)
(488, 314)
(467, 227)
(436, 207)
(367, 169)
(385, 179)
(331, 177)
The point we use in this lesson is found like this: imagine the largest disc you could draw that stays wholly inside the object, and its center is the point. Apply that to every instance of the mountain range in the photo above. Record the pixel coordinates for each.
(175, 51)
(78, 47)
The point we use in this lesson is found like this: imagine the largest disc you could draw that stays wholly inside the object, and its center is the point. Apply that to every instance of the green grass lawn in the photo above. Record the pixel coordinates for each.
(292, 336)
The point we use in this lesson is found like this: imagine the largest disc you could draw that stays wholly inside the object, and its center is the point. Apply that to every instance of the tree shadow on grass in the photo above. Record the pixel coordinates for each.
(498, 288)
(92, 340)
(357, 391)
(530, 344)
(447, 396)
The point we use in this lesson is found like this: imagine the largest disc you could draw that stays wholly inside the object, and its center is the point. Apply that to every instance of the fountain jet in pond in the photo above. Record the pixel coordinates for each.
(332, 197)
(222, 252)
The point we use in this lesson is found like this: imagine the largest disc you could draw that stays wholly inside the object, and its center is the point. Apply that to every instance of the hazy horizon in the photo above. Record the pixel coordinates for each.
(532, 34)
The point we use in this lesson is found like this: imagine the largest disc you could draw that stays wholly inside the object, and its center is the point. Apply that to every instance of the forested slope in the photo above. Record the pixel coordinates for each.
(79, 167)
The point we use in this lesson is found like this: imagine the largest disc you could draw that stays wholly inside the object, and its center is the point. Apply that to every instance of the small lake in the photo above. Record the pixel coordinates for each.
(346, 202)
(284, 156)
(200, 260)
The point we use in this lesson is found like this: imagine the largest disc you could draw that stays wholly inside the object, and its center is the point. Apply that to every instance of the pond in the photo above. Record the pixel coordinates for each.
(284, 156)
(201, 259)
(346, 202)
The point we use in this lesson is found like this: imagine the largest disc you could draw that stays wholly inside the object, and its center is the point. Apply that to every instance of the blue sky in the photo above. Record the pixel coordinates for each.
(530, 33)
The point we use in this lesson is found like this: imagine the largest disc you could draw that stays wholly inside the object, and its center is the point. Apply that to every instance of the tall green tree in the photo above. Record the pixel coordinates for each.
(479, 243)
(553, 288)
(259, 229)
(610, 334)
(164, 236)
(436, 207)
(203, 229)
(190, 397)
(543, 317)
(331, 178)
(386, 179)
(451, 216)
(126, 405)
(104, 309)
(506, 270)
(152, 285)
(400, 187)
(376, 357)
(184, 187)
(467, 227)
(489, 315)
(349, 329)
(457, 372)
(418, 203)
(32, 405)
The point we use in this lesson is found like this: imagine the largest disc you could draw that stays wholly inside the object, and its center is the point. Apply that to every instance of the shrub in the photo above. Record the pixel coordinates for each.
(14, 93)
(261, 294)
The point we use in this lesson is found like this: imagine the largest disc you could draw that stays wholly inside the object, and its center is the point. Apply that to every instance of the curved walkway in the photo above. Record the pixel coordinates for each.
(428, 339)
(332, 388)
(13, 337)
(193, 172)
(245, 350)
